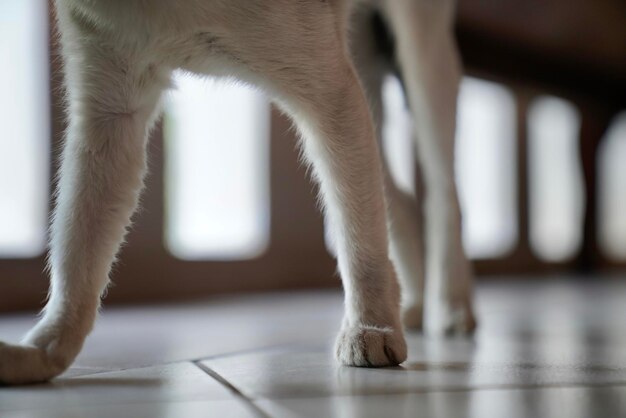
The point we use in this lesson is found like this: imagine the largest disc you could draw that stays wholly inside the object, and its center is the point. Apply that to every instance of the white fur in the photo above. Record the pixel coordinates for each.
(119, 56)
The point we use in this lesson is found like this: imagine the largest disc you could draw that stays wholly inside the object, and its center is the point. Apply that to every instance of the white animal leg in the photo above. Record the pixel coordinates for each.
(112, 102)
(430, 66)
(404, 216)
(317, 85)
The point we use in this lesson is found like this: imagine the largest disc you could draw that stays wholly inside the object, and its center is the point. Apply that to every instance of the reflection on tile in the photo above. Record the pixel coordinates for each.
(538, 334)
(166, 383)
(195, 409)
(309, 371)
(570, 402)
(544, 348)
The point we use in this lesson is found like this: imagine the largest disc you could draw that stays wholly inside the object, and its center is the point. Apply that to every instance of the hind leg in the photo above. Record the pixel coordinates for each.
(407, 250)
(111, 105)
(404, 215)
(428, 60)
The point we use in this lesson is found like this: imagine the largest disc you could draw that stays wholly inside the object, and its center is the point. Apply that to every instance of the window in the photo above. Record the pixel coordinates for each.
(217, 175)
(398, 135)
(555, 179)
(486, 168)
(612, 191)
(24, 117)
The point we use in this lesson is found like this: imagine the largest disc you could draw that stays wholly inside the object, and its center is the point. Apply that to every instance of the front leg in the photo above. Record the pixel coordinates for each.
(346, 160)
(338, 139)
(112, 103)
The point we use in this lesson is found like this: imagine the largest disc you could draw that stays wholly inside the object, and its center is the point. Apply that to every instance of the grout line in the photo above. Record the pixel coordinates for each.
(195, 361)
(185, 360)
(249, 402)
(319, 346)
(93, 373)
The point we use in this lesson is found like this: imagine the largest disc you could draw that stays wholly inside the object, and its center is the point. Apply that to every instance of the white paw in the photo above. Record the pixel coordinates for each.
(444, 319)
(369, 346)
(21, 364)
(412, 316)
(41, 356)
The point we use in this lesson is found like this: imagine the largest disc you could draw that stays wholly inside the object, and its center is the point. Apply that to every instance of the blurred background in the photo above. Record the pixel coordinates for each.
(541, 156)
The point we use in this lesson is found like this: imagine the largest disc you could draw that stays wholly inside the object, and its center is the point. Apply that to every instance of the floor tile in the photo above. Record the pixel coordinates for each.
(543, 348)
(311, 371)
(166, 383)
(570, 402)
(196, 409)
(14, 326)
(148, 335)
(537, 334)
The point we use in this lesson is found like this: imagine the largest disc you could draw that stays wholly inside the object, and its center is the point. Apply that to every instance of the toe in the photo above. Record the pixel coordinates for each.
(366, 346)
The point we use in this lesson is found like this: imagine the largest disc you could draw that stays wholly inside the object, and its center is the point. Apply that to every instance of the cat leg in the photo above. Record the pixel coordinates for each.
(404, 216)
(429, 62)
(112, 103)
(310, 72)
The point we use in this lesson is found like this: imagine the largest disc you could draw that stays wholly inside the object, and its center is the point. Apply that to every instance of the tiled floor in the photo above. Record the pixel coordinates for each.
(553, 347)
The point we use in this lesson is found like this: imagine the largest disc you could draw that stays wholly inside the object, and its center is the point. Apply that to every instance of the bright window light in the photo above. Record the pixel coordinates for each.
(486, 168)
(612, 193)
(217, 174)
(555, 179)
(398, 135)
(24, 117)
